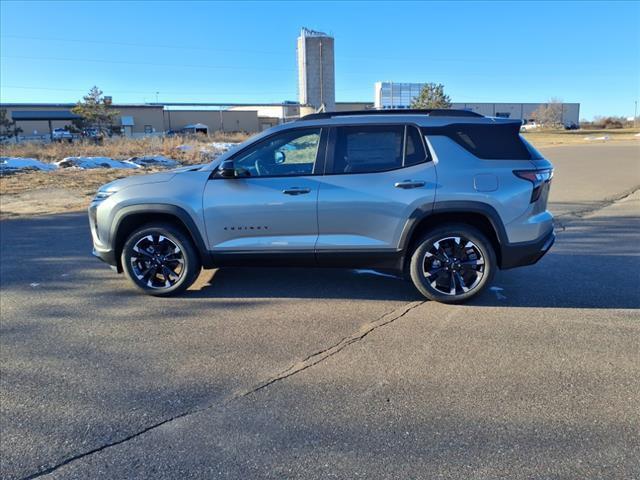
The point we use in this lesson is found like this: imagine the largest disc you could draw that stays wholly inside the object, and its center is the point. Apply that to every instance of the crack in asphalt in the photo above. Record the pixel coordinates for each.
(561, 221)
(293, 369)
(322, 355)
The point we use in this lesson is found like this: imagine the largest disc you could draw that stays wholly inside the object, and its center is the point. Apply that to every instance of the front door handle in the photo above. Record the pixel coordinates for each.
(406, 184)
(296, 191)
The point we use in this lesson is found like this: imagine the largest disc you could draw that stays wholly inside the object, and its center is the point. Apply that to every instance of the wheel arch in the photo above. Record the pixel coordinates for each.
(479, 215)
(127, 219)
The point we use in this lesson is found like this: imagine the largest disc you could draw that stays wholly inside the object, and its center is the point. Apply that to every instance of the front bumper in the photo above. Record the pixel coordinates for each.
(100, 250)
(107, 256)
(526, 253)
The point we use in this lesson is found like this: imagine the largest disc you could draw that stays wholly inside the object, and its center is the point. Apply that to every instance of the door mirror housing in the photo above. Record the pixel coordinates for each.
(227, 169)
(279, 157)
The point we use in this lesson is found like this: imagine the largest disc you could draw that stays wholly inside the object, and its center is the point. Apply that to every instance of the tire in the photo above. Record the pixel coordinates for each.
(154, 247)
(457, 253)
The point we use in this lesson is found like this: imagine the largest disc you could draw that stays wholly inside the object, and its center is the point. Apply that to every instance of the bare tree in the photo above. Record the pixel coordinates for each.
(549, 114)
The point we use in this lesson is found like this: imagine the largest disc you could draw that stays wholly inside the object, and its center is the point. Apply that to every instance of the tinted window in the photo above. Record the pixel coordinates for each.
(414, 152)
(289, 153)
(372, 148)
(495, 142)
(535, 154)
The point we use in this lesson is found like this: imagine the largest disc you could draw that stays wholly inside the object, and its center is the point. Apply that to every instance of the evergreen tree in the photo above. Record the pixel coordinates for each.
(95, 112)
(431, 96)
(8, 128)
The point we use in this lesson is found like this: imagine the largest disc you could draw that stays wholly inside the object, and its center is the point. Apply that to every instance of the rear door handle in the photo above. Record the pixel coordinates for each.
(296, 191)
(406, 184)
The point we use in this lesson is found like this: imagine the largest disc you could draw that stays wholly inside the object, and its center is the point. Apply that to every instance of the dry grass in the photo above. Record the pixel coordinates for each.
(37, 192)
(33, 193)
(120, 148)
(83, 182)
(546, 138)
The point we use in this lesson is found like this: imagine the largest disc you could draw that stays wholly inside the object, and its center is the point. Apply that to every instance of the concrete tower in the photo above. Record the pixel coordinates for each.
(316, 70)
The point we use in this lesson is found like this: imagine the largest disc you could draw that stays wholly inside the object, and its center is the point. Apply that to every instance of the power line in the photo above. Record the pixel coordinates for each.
(148, 92)
(172, 65)
(132, 44)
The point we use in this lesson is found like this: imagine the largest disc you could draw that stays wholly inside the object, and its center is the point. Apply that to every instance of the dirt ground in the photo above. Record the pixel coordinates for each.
(39, 193)
(546, 138)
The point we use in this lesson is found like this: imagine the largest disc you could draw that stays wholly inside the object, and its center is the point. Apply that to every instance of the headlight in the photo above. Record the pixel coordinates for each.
(102, 194)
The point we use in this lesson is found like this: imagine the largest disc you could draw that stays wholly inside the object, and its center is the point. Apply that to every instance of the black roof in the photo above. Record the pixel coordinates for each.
(43, 115)
(434, 112)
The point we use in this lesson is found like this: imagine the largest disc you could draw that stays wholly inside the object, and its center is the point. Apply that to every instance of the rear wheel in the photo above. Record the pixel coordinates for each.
(452, 263)
(160, 260)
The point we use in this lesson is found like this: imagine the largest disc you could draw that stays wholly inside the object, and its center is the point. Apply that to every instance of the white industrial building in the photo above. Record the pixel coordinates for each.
(400, 95)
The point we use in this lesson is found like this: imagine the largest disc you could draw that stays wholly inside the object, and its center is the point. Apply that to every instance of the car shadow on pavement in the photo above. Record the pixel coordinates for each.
(319, 283)
(595, 263)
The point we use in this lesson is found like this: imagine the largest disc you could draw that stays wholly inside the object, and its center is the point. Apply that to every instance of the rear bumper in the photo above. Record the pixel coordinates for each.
(526, 253)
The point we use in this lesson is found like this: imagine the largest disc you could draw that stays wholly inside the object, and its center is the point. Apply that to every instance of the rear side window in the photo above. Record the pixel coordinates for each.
(376, 148)
(372, 148)
(414, 148)
(493, 142)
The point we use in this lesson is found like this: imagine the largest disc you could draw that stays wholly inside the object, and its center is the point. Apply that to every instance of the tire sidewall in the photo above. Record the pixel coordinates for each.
(454, 230)
(191, 260)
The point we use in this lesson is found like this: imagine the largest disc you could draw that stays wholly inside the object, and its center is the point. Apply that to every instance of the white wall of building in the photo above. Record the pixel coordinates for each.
(400, 95)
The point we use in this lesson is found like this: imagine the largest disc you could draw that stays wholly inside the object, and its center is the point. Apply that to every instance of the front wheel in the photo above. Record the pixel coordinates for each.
(452, 263)
(160, 260)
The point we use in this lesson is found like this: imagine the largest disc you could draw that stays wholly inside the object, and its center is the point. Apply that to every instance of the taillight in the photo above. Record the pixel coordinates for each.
(537, 177)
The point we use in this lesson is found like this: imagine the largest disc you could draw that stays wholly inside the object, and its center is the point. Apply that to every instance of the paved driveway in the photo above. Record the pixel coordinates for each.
(289, 373)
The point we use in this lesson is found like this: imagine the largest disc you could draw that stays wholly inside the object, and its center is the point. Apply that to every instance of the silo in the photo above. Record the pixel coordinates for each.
(316, 70)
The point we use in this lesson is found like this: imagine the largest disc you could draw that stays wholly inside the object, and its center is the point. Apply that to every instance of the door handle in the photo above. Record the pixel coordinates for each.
(296, 191)
(406, 184)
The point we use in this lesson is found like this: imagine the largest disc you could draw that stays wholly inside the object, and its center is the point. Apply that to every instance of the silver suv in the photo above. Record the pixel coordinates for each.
(444, 197)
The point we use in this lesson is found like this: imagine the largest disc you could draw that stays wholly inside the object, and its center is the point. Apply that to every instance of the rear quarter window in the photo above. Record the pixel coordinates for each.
(488, 141)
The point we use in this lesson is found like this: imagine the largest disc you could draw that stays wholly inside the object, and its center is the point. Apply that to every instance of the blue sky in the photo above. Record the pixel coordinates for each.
(587, 52)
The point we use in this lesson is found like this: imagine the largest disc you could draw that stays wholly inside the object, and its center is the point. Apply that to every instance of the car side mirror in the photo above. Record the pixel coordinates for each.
(227, 169)
(279, 156)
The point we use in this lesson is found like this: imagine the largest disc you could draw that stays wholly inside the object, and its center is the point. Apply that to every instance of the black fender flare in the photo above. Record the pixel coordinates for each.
(165, 209)
(453, 206)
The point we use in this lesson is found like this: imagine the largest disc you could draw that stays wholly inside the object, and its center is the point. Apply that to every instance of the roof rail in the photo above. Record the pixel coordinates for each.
(434, 112)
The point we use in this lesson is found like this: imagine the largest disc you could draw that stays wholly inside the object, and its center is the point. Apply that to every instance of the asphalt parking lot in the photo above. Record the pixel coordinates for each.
(290, 373)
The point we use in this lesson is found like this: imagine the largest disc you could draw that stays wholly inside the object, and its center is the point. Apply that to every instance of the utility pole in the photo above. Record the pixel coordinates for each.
(157, 96)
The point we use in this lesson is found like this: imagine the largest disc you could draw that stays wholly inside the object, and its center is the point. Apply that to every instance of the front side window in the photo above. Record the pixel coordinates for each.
(289, 153)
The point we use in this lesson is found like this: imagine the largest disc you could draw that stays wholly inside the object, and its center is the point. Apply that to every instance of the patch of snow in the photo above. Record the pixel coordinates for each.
(498, 291)
(637, 135)
(603, 138)
(154, 161)
(215, 149)
(10, 164)
(184, 148)
(363, 271)
(223, 146)
(95, 162)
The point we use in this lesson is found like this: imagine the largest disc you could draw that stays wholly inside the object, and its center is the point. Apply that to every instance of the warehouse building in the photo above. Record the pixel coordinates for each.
(400, 95)
(133, 120)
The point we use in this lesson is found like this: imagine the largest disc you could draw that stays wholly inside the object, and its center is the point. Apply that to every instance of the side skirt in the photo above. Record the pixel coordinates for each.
(391, 260)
